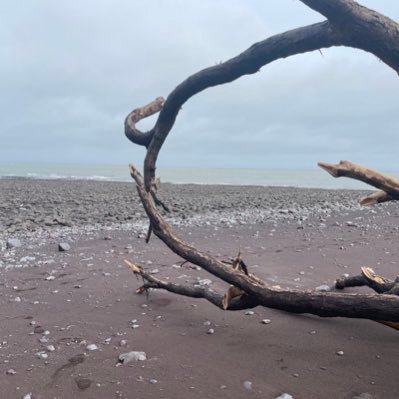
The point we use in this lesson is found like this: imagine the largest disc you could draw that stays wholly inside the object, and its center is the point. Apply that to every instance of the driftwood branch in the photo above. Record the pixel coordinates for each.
(131, 131)
(330, 304)
(368, 278)
(348, 24)
(388, 185)
(238, 303)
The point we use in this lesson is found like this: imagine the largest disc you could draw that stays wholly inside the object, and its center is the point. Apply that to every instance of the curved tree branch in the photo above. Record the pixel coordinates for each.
(293, 42)
(348, 24)
(363, 28)
(132, 133)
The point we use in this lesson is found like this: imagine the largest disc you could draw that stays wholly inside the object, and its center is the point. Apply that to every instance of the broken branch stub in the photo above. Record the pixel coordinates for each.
(388, 184)
(348, 24)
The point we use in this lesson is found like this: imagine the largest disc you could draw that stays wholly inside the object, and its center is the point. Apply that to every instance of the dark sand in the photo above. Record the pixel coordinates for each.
(291, 237)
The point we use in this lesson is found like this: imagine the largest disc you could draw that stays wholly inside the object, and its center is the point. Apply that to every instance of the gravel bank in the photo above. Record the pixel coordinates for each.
(32, 205)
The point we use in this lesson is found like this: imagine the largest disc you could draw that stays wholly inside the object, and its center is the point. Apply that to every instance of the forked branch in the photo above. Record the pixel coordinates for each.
(348, 24)
(389, 185)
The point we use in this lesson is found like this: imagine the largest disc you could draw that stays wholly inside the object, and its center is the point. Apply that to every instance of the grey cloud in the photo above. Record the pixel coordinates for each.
(73, 70)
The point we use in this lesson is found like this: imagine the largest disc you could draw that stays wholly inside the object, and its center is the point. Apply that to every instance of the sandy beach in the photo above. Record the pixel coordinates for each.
(55, 305)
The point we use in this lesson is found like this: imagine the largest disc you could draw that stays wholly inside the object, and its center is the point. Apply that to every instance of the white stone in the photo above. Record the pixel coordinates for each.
(11, 372)
(248, 385)
(92, 347)
(134, 356)
(266, 321)
(284, 396)
(41, 355)
(323, 288)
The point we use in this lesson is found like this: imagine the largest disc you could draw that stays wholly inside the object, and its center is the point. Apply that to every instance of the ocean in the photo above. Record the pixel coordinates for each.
(315, 178)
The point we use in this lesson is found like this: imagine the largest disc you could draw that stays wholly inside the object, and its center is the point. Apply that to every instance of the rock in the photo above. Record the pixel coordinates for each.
(11, 372)
(50, 348)
(63, 247)
(134, 356)
(41, 355)
(249, 312)
(284, 396)
(323, 288)
(13, 243)
(340, 353)
(266, 321)
(210, 331)
(248, 385)
(82, 383)
(363, 396)
(204, 282)
(92, 347)
(38, 330)
(122, 342)
(153, 381)
(27, 396)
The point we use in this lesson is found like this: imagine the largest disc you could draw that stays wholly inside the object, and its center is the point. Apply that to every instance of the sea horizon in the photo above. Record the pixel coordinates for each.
(304, 178)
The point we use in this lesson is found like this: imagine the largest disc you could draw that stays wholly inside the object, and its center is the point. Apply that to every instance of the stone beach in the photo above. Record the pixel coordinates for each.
(67, 316)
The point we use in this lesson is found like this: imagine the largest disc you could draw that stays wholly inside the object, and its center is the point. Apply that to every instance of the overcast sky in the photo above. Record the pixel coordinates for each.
(70, 72)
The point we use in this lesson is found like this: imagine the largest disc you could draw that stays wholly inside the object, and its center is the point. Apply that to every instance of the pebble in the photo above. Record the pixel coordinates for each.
(153, 381)
(210, 331)
(249, 312)
(204, 282)
(38, 330)
(11, 372)
(133, 356)
(122, 342)
(92, 347)
(28, 396)
(63, 247)
(364, 395)
(323, 288)
(340, 353)
(284, 396)
(50, 348)
(41, 355)
(13, 243)
(248, 385)
(82, 383)
(266, 321)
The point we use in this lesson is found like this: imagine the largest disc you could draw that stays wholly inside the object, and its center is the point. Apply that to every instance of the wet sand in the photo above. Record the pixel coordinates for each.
(292, 237)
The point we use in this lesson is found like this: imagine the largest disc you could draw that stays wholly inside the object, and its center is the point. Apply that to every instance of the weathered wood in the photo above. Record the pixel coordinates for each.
(328, 304)
(348, 24)
(238, 303)
(131, 131)
(388, 184)
(376, 198)
(367, 278)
